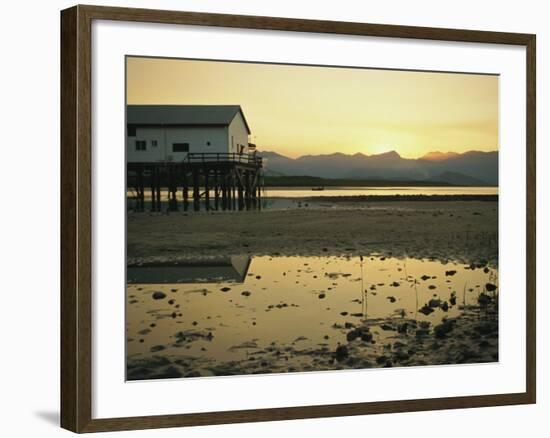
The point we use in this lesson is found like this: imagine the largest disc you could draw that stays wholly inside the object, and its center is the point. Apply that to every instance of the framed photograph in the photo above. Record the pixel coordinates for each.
(270, 218)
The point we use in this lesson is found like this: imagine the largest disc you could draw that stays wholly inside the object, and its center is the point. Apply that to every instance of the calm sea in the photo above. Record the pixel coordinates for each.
(307, 192)
(276, 198)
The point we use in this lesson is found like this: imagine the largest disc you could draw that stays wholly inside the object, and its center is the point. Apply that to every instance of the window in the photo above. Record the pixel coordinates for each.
(154, 143)
(180, 147)
(131, 130)
(141, 145)
(208, 143)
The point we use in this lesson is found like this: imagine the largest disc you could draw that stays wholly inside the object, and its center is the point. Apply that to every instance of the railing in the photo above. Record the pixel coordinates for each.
(223, 157)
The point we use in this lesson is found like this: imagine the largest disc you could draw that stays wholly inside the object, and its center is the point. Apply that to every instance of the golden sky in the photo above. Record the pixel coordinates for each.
(301, 110)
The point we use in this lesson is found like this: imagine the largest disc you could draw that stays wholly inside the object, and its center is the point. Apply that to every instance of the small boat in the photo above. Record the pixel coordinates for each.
(317, 189)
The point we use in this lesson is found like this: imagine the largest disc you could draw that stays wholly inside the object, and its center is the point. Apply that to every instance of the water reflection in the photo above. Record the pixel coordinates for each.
(280, 314)
(232, 268)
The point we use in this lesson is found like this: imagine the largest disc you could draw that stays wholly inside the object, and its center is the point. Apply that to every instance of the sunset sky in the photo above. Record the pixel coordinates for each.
(301, 110)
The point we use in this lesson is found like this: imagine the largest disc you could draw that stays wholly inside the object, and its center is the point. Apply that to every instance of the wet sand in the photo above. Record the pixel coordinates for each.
(295, 314)
(430, 279)
(463, 231)
(470, 338)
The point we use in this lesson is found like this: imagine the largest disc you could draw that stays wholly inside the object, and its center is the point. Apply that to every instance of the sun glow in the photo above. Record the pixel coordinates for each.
(301, 110)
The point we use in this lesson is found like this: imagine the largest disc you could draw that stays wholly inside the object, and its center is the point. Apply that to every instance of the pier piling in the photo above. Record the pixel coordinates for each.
(235, 180)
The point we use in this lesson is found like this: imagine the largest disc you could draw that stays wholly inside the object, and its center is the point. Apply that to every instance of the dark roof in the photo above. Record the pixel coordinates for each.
(183, 114)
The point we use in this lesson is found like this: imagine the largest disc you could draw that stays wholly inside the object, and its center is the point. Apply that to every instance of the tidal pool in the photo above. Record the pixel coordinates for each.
(285, 314)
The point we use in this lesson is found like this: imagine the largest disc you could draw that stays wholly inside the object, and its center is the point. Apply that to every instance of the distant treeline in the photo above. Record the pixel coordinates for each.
(313, 181)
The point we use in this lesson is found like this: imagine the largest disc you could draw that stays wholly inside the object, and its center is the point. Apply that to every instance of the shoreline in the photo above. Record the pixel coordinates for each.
(403, 198)
(351, 198)
(463, 231)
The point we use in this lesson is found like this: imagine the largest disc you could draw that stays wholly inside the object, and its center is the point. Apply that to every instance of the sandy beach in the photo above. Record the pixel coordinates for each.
(359, 283)
(463, 231)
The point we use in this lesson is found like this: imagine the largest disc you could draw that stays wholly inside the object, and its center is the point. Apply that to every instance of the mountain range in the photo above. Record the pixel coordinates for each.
(469, 168)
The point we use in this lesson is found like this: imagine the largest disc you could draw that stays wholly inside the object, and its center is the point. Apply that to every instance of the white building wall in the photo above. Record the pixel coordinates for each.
(152, 153)
(238, 134)
(200, 140)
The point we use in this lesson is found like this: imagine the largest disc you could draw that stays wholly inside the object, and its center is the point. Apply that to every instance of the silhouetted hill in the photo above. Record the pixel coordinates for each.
(439, 156)
(457, 179)
(469, 168)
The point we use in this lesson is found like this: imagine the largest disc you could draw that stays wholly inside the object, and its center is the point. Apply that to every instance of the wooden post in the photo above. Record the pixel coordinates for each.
(259, 185)
(169, 186)
(240, 192)
(228, 189)
(152, 181)
(196, 194)
(172, 188)
(247, 188)
(175, 187)
(224, 190)
(206, 188)
(157, 188)
(233, 189)
(185, 190)
(216, 189)
(140, 189)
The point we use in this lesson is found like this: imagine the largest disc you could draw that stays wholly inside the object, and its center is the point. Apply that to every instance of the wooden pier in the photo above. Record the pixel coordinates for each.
(218, 181)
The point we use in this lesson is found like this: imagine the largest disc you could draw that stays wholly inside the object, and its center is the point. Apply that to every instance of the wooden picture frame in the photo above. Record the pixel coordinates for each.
(76, 217)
